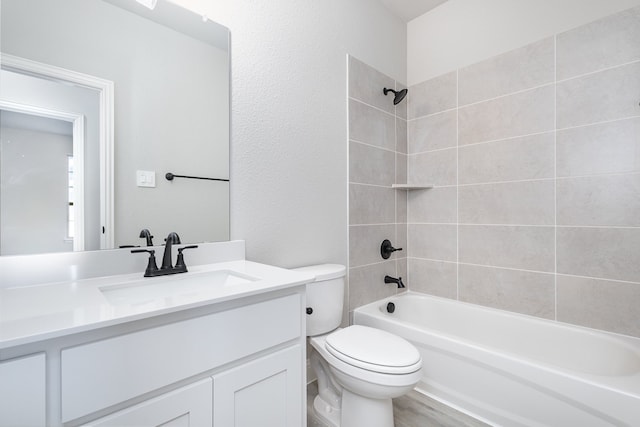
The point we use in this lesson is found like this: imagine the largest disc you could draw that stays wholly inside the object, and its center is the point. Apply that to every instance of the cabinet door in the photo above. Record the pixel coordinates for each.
(189, 406)
(23, 392)
(266, 392)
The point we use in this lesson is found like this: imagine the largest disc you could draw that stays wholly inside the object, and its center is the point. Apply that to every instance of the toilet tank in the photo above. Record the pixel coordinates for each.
(325, 297)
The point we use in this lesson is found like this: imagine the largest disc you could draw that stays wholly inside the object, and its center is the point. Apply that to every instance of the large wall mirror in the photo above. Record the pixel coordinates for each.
(99, 100)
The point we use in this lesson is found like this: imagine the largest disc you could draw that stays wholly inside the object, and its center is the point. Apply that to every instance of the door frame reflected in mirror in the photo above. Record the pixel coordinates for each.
(105, 90)
(77, 121)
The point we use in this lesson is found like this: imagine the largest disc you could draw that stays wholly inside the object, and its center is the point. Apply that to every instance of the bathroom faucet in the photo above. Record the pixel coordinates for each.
(398, 281)
(146, 234)
(172, 239)
(152, 269)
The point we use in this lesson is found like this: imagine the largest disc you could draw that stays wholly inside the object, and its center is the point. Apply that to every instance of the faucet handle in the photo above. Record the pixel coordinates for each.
(386, 249)
(151, 265)
(180, 261)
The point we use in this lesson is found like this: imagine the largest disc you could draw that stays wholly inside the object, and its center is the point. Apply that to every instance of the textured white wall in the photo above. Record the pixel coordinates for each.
(462, 32)
(289, 126)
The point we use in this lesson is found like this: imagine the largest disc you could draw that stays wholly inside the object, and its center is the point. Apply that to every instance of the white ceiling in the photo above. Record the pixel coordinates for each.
(409, 9)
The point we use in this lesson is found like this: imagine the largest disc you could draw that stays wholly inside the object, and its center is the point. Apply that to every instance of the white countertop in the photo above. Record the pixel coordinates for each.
(32, 313)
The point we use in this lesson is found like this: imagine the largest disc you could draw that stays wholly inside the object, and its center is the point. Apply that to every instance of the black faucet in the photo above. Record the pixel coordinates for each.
(146, 234)
(398, 281)
(172, 239)
(152, 269)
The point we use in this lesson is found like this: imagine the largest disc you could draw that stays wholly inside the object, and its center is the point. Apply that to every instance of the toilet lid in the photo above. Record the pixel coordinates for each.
(373, 349)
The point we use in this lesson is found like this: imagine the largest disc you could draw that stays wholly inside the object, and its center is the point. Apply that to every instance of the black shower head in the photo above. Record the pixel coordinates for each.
(399, 95)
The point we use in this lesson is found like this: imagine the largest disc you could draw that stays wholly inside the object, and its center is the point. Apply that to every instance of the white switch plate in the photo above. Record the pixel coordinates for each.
(146, 178)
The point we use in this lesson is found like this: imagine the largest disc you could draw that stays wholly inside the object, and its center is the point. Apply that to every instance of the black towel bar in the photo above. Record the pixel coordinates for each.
(170, 177)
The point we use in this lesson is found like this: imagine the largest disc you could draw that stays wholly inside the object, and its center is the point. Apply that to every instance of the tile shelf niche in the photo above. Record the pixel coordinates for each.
(412, 186)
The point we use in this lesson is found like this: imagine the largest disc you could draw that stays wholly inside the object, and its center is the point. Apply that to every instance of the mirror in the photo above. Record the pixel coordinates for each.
(99, 100)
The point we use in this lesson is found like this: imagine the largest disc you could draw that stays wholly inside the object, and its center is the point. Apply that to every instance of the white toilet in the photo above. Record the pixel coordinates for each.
(359, 368)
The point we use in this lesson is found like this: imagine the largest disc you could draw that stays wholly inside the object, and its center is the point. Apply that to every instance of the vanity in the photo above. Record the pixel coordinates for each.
(221, 345)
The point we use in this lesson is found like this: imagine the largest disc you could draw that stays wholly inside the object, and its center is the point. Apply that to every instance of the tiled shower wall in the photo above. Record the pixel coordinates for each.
(535, 155)
(377, 159)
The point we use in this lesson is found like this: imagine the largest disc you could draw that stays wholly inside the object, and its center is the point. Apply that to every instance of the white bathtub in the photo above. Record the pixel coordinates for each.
(515, 370)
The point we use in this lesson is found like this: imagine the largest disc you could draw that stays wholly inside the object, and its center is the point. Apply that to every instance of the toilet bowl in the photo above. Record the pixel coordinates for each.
(359, 368)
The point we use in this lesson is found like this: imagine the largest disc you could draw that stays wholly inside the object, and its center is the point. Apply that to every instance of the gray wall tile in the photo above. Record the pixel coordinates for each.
(525, 203)
(600, 304)
(604, 253)
(400, 242)
(371, 126)
(401, 136)
(598, 97)
(433, 277)
(612, 200)
(402, 270)
(401, 206)
(604, 43)
(401, 169)
(435, 242)
(437, 205)
(371, 165)
(527, 248)
(433, 167)
(401, 109)
(516, 70)
(611, 147)
(520, 291)
(432, 96)
(366, 84)
(519, 114)
(371, 205)
(529, 157)
(366, 284)
(433, 132)
(364, 243)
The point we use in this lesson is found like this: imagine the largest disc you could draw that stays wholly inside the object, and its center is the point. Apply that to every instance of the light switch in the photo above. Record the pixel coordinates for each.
(146, 178)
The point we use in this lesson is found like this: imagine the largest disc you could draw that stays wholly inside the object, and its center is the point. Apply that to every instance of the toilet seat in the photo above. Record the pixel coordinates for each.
(374, 350)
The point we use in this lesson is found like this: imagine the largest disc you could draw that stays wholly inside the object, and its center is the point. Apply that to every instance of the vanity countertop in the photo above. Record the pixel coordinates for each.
(34, 313)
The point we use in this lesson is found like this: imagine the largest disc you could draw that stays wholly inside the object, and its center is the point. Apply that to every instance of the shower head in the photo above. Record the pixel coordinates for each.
(399, 95)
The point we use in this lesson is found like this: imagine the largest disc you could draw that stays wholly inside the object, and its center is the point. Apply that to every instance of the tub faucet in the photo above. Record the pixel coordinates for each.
(398, 281)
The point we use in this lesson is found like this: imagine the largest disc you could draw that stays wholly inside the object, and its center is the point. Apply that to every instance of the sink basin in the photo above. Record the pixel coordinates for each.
(177, 286)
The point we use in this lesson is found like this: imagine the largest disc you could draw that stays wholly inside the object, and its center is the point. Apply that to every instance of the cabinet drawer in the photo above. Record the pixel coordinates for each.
(107, 372)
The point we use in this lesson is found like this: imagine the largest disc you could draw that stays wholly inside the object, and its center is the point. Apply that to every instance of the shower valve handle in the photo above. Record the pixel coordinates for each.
(386, 249)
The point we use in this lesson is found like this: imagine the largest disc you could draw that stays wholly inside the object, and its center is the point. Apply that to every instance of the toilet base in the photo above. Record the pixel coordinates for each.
(359, 411)
(328, 414)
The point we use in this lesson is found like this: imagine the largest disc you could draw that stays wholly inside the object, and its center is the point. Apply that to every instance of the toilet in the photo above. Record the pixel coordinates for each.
(359, 369)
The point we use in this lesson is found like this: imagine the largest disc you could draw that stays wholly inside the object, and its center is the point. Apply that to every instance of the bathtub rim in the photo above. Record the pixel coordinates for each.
(628, 385)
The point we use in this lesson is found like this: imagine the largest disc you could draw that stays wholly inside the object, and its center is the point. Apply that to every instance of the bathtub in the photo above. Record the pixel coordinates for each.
(514, 370)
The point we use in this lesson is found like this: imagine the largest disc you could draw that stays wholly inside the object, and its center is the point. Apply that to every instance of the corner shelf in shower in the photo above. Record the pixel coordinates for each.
(408, 187)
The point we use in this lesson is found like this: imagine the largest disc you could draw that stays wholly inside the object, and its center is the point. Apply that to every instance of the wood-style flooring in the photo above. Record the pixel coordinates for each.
(412, 410)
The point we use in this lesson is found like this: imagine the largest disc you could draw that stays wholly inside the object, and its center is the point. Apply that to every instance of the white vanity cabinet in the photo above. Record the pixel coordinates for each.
(235, 363)
(264, 392)
(189, 406)
(23, 391)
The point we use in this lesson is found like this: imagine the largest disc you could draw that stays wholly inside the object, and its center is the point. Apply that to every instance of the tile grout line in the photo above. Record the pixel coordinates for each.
(372, 106)
(590, 73)
(555, 174)
(549, 273)
(458, 184)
